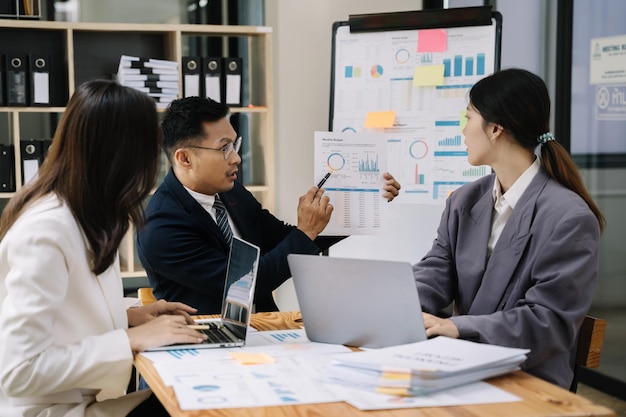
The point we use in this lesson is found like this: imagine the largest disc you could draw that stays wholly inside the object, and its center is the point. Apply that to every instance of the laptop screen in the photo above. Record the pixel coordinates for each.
(240, 283)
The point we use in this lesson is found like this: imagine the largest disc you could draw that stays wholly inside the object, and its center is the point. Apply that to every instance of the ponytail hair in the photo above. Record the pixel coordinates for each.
(518, 100)
(559, 165)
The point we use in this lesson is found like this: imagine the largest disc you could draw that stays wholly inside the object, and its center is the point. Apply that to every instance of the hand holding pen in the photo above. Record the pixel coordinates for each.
(323, 180)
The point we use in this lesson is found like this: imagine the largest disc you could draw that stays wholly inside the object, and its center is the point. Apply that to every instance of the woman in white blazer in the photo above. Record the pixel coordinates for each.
(516, 251)
(66, 334)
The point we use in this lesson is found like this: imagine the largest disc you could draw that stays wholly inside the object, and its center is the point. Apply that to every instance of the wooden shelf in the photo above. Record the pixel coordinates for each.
(82, 51)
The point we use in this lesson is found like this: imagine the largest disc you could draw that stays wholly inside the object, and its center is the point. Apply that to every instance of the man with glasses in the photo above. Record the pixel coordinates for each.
(193, 214)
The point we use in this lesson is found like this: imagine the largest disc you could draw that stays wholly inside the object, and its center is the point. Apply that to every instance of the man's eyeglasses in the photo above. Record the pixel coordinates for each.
(227, 149)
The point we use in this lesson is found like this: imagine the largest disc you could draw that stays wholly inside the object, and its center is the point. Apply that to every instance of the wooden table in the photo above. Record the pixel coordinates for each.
(538, 397)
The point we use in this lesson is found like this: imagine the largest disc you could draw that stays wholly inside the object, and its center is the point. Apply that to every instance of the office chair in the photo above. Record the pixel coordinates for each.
(146, 296)
(589, 347)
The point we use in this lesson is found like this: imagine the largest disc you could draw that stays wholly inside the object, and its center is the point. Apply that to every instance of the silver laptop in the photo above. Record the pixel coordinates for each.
(231, 329)
(357, 302)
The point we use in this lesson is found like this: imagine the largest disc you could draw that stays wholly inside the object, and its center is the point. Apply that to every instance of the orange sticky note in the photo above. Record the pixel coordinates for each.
(380, 119)
(400, 376)
(428, 75)
(432, 40)
(246, 358)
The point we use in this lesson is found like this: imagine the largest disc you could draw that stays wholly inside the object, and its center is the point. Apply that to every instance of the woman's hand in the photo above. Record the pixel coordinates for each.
(161, 331)
(436, 326)
(143, 314)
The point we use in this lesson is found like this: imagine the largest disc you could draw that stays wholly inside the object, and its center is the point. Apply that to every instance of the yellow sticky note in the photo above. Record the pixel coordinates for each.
(402, 376)
(246, 358)
(428, 75)
(380, 119)
(462, 119)
(399, 391)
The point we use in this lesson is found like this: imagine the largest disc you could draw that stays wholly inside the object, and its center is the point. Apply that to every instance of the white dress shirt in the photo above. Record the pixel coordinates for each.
(207, 201)
(505, 203)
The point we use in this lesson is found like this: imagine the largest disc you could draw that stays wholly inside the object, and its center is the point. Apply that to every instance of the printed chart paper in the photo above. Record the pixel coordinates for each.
(357, 162)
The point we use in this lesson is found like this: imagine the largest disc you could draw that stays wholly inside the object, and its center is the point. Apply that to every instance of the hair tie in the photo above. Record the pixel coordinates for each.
(546, 137)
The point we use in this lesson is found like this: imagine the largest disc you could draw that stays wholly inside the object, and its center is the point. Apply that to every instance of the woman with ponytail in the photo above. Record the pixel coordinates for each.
(516, 252)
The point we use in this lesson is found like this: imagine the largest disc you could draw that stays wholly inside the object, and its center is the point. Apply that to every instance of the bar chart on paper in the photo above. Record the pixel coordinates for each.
(287, 336)
(356, 161)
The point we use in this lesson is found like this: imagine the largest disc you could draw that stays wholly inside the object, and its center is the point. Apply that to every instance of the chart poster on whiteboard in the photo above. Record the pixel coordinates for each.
(412, 86)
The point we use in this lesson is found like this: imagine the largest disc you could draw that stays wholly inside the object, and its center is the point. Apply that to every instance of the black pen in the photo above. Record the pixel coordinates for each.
(319, 184)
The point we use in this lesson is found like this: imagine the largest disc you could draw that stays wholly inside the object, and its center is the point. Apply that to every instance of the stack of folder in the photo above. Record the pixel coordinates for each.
(218, 78)
(423, 367)
(25, 80)
(156, 77)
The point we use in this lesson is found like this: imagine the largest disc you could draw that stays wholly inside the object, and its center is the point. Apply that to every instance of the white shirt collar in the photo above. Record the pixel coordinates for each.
(204, 200)
(514, 193)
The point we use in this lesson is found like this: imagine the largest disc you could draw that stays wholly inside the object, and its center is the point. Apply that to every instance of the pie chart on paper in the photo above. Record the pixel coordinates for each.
(376, 71)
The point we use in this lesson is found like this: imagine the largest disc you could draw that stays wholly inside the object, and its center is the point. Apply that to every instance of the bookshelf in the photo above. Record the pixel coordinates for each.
(83, 51)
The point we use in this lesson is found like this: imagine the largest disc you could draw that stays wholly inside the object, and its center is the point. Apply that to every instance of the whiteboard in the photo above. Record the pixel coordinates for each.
(382, 70)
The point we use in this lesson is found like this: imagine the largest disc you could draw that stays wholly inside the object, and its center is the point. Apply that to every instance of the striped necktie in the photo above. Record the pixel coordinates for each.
(222, 219)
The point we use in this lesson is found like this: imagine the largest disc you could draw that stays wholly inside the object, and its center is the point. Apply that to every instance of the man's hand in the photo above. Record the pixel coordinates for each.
(391, 187)
(314, 210)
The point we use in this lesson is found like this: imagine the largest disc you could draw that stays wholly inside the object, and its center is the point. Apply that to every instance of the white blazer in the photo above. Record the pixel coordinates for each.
(61, 326)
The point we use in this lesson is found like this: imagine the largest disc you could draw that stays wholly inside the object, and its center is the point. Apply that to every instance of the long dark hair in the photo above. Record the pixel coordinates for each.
(102, 163)
(518, 100)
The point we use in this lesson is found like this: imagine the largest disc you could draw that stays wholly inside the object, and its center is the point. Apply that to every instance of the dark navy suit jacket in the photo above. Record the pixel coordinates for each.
(185, 255)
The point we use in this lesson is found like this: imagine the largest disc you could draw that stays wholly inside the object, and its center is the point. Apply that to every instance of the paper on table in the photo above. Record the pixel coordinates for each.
(274, 343)
(437, 357)
(474, 393)
(405, 384)
(291, 380)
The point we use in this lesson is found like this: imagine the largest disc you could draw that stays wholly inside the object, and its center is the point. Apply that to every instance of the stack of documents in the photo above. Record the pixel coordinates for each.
(423, 367)
(156, 77)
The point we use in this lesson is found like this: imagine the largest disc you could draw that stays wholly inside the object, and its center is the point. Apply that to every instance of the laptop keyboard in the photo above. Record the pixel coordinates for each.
(216, 333)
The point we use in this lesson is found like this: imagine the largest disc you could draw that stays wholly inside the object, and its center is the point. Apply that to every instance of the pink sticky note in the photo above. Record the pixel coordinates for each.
(432, 40)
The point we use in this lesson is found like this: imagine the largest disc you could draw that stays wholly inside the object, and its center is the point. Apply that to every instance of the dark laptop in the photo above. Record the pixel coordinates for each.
(231, 329)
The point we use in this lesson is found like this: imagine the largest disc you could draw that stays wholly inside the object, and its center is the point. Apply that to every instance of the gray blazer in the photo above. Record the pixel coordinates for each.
(534, 290)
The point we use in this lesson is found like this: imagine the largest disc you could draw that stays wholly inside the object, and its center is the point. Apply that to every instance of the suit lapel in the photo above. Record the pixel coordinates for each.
(194, 209)
(474, 240)
(508, 252)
